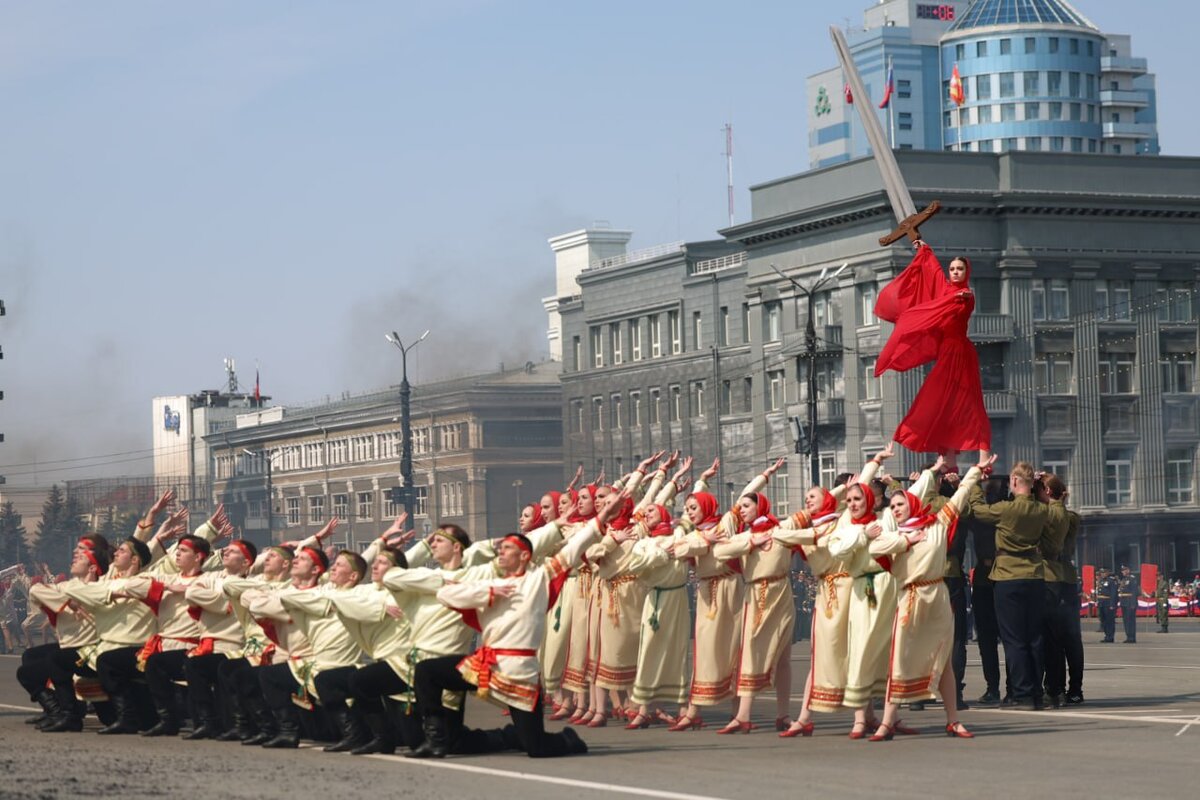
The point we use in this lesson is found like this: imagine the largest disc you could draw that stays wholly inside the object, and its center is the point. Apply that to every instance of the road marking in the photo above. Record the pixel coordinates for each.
(20, 708)
(1140, 666)
(1185, 727)
(528, 776)
(1081, 715)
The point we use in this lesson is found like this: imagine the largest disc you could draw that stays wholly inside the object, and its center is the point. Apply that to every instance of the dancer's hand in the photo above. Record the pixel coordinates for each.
(711, 471)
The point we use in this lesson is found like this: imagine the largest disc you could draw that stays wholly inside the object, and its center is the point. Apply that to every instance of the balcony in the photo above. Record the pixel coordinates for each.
(1000, 404)
(1127, 130)
(990, 328)
(1056, 419)
(1129, 99)
(829, 338)
(831, 412)
(1135, 66)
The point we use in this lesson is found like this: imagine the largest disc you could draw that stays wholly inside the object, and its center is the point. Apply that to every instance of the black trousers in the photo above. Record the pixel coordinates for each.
(278, 685)
(1054, 642)
(203, 674)
(1019, 612)
(35, 668)
(373, 682)
(958, 651)
(1129, 618)
(1108, 621)
(333, 686)
(120, 677)
(1072, 637)
(435, 675)
(162, 670)
(987, 634)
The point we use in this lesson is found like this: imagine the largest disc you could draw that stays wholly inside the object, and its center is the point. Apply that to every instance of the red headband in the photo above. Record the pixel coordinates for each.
(86, 544)
(242, 548)
(189, 545)
(315, 555)
(519, 542)
(90, 556)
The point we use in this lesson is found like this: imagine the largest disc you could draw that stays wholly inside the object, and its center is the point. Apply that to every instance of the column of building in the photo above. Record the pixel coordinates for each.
(1149, 474)
(1087, 463)
(1015, 280)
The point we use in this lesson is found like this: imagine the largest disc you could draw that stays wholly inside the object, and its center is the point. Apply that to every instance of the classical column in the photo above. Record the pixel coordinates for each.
(1015, 275)
(1149, 475)
(1087, 466)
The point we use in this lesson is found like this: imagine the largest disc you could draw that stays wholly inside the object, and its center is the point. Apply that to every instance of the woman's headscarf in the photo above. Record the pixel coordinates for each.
(539, 519)
(709, 507)
(869, 497)
(765, 520)
(664, 526)
(624, 516)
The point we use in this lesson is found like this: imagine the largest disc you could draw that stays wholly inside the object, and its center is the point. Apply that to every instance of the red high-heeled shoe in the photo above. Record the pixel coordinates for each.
(686, 723)
(805, 729)
(736, 726)
(884, 733)
(855, 733)
(957, 729)
(639, 722)
(664, 717)
(899, 727)
(783, 723)
(562, 711)
(582, 716)
(598, 721)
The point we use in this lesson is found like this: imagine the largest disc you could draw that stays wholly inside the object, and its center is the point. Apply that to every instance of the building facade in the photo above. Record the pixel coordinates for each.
(481, 446)
(1036, 76)
(1085, 272)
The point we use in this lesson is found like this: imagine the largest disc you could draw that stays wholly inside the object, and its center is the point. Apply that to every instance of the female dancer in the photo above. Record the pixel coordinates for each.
(718, 597)
(923, 628)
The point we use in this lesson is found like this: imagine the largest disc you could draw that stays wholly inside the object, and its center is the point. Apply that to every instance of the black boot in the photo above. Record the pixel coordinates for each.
(436, 744)
(262, 717)
(168, 724)
(350, 726)
(70, 720)
(383, 739)
(575, 745)
(241, 730)
(288, 721)
(208, 728)
(53, 711)
(126, 721)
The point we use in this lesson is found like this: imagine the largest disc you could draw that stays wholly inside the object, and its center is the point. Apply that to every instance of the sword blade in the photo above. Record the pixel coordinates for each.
(893, 182)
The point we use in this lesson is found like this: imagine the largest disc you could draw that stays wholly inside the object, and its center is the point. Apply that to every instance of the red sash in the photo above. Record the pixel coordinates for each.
(483, 659)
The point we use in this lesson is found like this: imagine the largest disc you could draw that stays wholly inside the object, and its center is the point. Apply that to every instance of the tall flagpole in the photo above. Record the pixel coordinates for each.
(891, 109)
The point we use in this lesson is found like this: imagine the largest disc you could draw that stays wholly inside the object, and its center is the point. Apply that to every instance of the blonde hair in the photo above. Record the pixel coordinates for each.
(1023, 471)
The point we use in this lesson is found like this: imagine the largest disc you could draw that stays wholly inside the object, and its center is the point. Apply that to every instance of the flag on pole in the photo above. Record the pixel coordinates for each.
(888, 88)
(956, 87)
(849, 95)
(257, 392)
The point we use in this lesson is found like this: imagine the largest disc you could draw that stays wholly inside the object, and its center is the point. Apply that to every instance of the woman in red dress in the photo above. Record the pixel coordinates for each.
(930, 314)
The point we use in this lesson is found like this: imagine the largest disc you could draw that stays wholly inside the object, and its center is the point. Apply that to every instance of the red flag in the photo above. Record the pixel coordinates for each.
(887, 89)
(847, 92)
(257, 393)
(956, 88)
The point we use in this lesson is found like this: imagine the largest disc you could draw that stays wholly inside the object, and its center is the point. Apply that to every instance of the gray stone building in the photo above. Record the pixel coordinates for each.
(482, 445)
(1085, 272)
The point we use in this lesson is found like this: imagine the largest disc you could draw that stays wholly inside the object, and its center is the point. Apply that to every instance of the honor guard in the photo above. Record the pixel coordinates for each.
(1128, 591)
(1106, 604)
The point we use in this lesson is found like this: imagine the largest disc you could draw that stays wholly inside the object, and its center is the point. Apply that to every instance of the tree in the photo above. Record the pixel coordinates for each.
(61, 524)
(12, 536)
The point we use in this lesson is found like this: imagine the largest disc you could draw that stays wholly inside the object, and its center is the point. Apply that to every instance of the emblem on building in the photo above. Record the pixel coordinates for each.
(822, 107)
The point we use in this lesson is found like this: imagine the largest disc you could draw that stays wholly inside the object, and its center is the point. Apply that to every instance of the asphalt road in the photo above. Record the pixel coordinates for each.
(1137, 735)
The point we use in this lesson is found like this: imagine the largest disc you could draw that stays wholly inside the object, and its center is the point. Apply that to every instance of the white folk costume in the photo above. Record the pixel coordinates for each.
(924, 621)
(74, 629)
(582, 585)
(619, 597)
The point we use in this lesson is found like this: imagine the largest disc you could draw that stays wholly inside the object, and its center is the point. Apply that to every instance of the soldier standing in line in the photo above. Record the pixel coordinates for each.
(1162, 606)
(1106, 604)
(1128, 592)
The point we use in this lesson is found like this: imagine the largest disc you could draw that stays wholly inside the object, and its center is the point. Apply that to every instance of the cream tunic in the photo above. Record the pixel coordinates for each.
(257, 647)
(663, 670)
(218, 623)
(74, 628)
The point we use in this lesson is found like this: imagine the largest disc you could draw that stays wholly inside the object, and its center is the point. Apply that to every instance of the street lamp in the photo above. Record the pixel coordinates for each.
(810, 342)
(517, 484)
(406, 477)
(267, 456)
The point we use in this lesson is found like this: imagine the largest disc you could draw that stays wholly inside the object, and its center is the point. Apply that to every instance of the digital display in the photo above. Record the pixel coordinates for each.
(945, 13)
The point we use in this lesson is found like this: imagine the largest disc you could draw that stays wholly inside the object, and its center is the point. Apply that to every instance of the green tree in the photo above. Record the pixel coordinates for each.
(109, 528)
(12, 536)
(61, 524)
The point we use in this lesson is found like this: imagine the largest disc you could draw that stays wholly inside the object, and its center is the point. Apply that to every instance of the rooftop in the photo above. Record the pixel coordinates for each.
(986, 13)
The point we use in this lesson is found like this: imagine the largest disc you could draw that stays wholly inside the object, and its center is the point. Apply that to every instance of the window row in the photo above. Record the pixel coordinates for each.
(1178, 476)
(340, 505)
(1112, 301)
(1031, 84)
(336, 452)
(1028, 45)
(1052, 111)
(645, 337)
(1054, 373)
(631, 410)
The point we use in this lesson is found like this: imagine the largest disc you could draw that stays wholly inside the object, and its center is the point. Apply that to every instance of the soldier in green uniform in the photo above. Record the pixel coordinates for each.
(1162, 608)
(1106, 604)
(1128, 592)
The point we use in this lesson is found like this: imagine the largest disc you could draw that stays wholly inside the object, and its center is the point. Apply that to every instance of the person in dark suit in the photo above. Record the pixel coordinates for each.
(1128, 591)
(983, 604)
(1106, 604)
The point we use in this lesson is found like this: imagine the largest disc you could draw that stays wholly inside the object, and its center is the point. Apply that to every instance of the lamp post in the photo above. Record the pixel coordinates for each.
(810, 348)
(269, 457)
(517, 484)
(406, 478)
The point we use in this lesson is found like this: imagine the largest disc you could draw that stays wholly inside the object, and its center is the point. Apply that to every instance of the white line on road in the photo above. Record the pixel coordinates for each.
(1140, 666)
(1185, 727)
(1048, 715)
(20, 708)
(528, 776)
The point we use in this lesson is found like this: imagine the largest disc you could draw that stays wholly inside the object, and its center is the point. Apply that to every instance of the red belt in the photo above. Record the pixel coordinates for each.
(483, 659)
(205, 648)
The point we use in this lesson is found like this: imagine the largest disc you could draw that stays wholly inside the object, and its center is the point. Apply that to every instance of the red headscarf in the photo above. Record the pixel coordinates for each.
(624, 516)
(919, 516)
(765, 520)
(576, 516)
(664, 526)
(829, 504)
(709, 507)
(555, 498)
(869, 497)
(538, 518)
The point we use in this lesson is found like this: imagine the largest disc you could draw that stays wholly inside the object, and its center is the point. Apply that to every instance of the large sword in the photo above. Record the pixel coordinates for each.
(907, 216)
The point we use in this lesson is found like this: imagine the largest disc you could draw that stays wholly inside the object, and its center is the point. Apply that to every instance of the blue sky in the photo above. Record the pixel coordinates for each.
(287, 181)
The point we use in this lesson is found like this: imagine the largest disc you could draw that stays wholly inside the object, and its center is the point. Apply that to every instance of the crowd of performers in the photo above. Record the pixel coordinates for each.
(582, 616)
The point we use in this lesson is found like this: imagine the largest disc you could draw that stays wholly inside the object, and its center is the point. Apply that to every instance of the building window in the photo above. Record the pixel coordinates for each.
(1054, 110)
(1076, 114)
(1116, 148)
(1118, 476)
(1008, 112)
(745, 323)
(614, 335)
(673, 410)
(960, 52)
(828, 465)
(775, 390)
(1008, 84)
(1074, 47)
(316, 510)
(1116, 373)
(293, 510)
(1033, 143)
(614, 411)
(1032, 84)
(724, 331)
(635, 339)
(904, 121)
(697, 398)
(1073, 84)
(697, 330)
(366, 505)
(1055, 373)
(1054, 83)
(1005, 47)
(871, 388)
(576, 354)
(576, 416)
(635, 409)
(1091, 48)
(773, 312)
(1058, 462)
(1030, 44)
(1113, 300)
(779, 490)
(1180, 470)
(981, 49)
(597, 413)
(675, 332)
(747, 394)
(866, 296)
(983, 87)
(597, 342)
(903, 89)
(655, 336)
(1076, 144)
(1050, 299)
(726, 397)
(341, 506)
(1178, 372)
(1053, 44)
